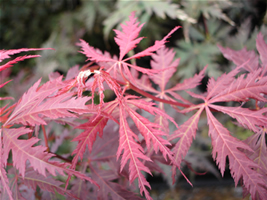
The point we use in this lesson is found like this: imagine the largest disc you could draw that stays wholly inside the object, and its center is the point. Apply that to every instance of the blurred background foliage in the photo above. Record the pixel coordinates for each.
(59, 24)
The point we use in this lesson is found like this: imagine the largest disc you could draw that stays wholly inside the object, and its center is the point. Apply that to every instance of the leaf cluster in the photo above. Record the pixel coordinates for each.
(128, 136)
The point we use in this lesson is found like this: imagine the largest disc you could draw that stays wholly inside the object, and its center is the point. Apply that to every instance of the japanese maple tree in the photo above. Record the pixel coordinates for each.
(118, 144)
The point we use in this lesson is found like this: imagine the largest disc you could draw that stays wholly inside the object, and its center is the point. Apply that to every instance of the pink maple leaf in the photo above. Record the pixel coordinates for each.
(32, 179)
(241, 167)
(3, 176)
(262, 49)
(34, 97)
(243, 88)
(107, 187)
(240, 57)
(132, 151)
(186, 133)
(246, 117)
(228, 88)
(91, 128)
(23, 150)
(126, 39)
(4, 54)
(163, 59)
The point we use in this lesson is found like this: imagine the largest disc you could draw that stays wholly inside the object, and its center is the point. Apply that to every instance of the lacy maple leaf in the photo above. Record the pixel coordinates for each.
(228, 88)
(32, 109)
(130, 144)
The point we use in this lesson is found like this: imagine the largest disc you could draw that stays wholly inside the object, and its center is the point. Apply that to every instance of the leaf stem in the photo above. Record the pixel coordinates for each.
(142, 92)
(175, 103)
(61, 158)
(45, 139)
(205, 27)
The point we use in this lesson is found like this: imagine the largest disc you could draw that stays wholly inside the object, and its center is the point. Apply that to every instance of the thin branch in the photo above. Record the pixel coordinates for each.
(45, 139)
